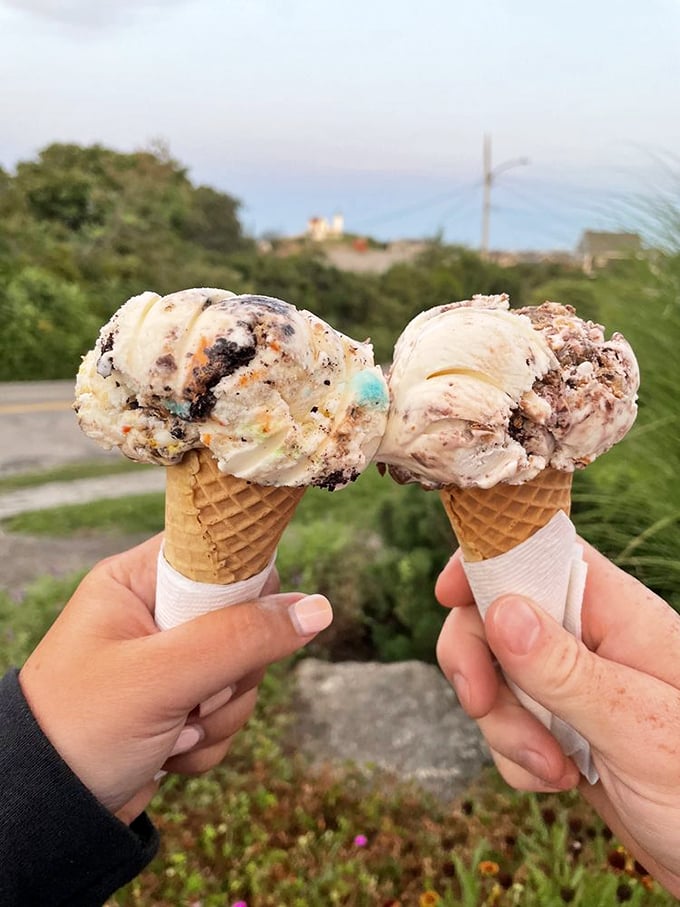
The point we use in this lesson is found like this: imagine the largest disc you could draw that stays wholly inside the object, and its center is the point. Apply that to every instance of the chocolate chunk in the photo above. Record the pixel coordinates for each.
(166, 362)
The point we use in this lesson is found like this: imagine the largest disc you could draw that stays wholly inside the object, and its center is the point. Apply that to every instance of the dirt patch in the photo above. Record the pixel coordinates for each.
(24, 558)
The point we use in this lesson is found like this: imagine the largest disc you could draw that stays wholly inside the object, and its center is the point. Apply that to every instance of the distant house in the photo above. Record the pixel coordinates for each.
(320, 229)
(597, 248)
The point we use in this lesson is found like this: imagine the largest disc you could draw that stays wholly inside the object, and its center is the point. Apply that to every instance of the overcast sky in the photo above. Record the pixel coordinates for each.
(375, 108)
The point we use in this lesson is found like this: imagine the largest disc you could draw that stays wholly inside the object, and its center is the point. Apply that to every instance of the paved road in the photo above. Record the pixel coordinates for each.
(38, 428)
(79, 491)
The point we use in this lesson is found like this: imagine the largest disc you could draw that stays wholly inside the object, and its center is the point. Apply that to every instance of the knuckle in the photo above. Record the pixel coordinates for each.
(567, 665)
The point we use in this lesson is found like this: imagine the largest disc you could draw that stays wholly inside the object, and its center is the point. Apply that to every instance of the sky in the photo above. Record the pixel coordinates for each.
(373, 108)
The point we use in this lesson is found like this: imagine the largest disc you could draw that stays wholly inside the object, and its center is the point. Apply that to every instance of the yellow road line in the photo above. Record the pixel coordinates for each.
(47, 406)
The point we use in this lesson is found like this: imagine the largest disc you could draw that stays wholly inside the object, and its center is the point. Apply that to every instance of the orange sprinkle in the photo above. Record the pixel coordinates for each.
(275, 346)
(249, 377)
(126, 429)
(200, 357)
(206, 439)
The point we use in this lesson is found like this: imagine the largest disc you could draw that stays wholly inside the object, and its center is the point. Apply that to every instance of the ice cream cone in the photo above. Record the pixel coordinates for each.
(219, 528)
(491, 521)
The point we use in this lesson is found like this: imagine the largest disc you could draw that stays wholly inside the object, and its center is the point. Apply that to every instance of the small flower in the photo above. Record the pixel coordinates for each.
(239, 904)
(624, 893)
(505, 880)
(488, 868)
(429, 899)
(575, 825)
(617, 858)
(360, 841)
(549, 816)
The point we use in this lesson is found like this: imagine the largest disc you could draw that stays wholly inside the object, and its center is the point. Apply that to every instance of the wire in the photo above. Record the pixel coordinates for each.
(419, 206)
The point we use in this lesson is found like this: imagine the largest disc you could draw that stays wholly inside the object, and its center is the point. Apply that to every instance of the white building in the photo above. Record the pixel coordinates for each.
(319, 228)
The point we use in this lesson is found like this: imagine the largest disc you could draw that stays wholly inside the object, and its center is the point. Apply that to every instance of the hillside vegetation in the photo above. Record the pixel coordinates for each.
(81, 230)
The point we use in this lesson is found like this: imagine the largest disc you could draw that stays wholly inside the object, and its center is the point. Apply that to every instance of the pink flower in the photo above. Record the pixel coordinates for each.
(239, 904)
(361, 841)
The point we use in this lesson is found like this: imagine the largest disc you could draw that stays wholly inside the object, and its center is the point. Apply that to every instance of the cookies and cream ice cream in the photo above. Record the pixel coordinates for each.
(482, 394)
(277, 395)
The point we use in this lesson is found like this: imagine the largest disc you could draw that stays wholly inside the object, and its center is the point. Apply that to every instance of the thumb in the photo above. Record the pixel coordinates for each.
(605, 701)
(204, 655)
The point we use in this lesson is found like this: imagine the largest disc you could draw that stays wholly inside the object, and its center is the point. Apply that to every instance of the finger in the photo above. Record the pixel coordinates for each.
(136, 569)
(199, 761)
(272, 583)
(465, 659)
(224, 696)
(451, 588)
(136, 806)
(626, 622)
(205, 655)
(608, 703)
(516, 776)
(511, 731)
(229, 719)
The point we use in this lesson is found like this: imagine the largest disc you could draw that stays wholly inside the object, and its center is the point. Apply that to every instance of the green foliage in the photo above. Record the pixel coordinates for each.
(578, 291)
(24, 623)
(265, 830)
(84, 228)
(46, 325)
(79, 470)
(142, 513)
(628, 502)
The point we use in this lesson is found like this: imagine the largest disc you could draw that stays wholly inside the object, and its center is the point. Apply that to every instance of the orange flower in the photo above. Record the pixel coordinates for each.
(488, 868)
(429, 899)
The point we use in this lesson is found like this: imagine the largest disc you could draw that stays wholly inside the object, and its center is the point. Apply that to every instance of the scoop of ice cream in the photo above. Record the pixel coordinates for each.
(482, 394)
(278, 396)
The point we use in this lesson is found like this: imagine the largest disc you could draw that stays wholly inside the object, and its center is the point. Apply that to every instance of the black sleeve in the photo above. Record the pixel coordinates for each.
(58, 844)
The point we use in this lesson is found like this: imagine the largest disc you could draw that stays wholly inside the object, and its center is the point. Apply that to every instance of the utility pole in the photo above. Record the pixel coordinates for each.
(490, 174)
(486, 201)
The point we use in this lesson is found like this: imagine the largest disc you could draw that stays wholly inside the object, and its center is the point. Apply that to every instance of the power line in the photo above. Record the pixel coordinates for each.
(418, 206)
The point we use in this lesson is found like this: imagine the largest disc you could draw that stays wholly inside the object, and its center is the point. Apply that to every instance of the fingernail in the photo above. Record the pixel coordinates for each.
(535, 764)
(462, 688)
(517, 624)
(212, 703)
(311, 614)
(159, 775)
(187, 740)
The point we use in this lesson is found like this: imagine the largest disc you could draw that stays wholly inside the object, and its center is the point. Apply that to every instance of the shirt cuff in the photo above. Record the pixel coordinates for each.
(59, 844)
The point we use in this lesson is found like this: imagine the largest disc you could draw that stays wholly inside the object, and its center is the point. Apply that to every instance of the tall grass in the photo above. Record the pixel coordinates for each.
(628, 502)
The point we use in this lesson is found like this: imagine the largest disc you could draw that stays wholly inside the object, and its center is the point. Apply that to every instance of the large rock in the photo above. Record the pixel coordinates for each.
(401, 717)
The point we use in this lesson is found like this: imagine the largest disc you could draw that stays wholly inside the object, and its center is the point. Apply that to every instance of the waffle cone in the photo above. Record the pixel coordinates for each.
(491, 521)
(218, 528)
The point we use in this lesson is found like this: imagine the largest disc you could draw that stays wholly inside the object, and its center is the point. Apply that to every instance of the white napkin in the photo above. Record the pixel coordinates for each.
(548, 568)
(179, 599)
